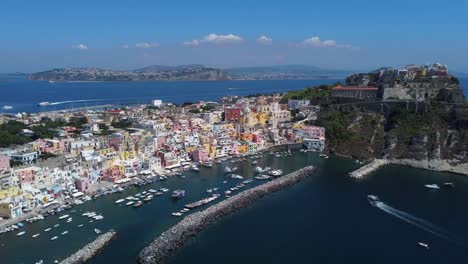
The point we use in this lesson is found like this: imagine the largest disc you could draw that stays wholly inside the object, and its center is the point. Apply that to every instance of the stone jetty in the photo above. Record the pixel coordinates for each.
(171, 240)
(368, 168)
(90, 250)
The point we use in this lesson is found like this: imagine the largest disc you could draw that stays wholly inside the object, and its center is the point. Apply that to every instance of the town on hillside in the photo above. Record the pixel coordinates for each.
(62, 158)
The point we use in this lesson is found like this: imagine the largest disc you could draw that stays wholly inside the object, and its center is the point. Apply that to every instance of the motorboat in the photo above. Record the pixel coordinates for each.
(276, 173)
(97, 231)
(138, 204)
(432, 186)
(449, 185)
(43, 104)
(373, 199)
(54, 238)
(424, 245)
(177, 194)
(21, 233)
(119, 201)
(64, 233)
(129, 203)
(35, 235)
(63, 217)
(177, 214)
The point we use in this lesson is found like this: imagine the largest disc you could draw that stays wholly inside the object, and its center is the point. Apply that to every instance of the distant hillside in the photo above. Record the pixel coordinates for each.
(151, 73)
(295, 71)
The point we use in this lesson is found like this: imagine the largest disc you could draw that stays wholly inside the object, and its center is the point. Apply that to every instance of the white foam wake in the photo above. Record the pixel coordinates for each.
(421, 223)
(78, 101)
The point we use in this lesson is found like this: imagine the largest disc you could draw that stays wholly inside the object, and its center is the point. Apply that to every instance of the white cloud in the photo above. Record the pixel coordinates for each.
(146, 45)
(80, 46)
(264, 40)
(215, 39)
(317, 42)
(194, 42)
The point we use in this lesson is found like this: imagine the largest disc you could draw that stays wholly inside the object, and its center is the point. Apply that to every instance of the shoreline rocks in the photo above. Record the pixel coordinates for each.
(452, 166)
(171, 240)
(90, 250)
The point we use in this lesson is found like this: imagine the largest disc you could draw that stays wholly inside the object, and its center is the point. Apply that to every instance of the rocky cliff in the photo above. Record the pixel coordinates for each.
(433, 131)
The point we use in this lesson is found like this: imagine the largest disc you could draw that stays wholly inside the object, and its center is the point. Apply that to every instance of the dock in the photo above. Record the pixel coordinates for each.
(369, 168)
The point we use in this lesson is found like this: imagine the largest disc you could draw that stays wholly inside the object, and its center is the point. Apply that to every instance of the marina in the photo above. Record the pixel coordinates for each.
(117, 216)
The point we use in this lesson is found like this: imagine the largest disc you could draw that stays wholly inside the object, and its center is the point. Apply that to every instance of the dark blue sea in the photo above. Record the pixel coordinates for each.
(25, 95)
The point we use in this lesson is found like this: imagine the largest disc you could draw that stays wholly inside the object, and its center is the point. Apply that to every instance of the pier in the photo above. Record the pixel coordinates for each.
(171, 240)
(368, 168)
(90, 250)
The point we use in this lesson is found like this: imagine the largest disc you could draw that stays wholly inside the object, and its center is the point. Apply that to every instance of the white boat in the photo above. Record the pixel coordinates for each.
(53, 238)
(276, 173)
(63, 217)
(48, 229)
(7, 107)
(424, 245)
(119, 201)
(36, 235)
(129, 203)
(177, 214)
(44, 103)
(56, 225)
(64, 233)
(21, 233)
(432, 186)
(80, 225)
(97, 231)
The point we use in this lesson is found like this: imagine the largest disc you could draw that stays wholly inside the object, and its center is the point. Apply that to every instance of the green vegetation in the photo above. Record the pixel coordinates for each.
(77, 121)
(314, 92)
(122, 124)
(334, 124)
(10, 134)
(194, 111)
(47, 155)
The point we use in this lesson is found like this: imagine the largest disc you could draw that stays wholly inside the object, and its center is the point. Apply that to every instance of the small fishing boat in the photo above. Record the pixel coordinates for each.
(81, 225)
(48, 229)
(54, 238)
(424, 245)
(36, 235)
(64, 233)
(21, 233)
(97, 231)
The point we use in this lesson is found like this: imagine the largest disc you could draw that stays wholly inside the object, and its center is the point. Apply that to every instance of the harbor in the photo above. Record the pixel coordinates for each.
(331, 183)
(170, 241)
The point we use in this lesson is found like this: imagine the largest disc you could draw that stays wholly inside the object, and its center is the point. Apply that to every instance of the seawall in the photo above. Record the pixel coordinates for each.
(368, 168)
(90, 250)
(171, 240)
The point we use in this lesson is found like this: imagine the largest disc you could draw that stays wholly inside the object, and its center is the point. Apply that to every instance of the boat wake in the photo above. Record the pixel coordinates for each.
(423, 224)
(78, 101)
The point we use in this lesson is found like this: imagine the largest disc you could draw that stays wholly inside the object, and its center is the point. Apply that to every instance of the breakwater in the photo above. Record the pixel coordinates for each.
(171, 240)
(369, 168)
(90, 250)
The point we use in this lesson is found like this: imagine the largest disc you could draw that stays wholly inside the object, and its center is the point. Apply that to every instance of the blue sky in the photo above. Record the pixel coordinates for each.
(362, 34)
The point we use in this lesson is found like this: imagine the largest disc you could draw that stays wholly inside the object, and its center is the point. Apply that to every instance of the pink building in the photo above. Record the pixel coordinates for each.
(4, 162)
(26, 175)
(82, 184)
(199, 155)
(315, 131)
(256, 138)
(112, 174)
